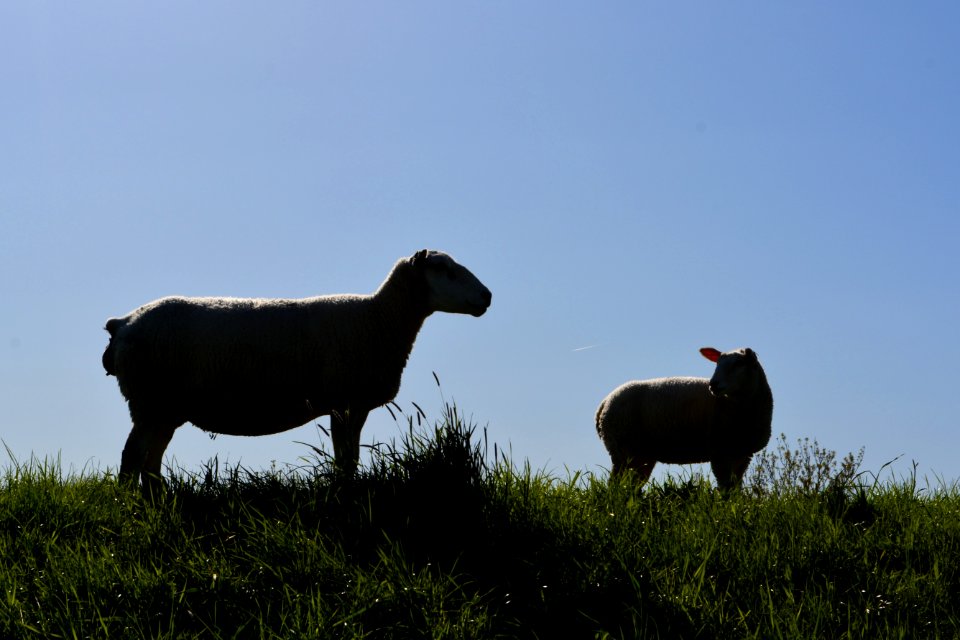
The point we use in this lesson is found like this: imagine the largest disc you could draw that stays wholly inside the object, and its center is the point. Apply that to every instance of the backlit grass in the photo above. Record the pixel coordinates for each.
(438, 537)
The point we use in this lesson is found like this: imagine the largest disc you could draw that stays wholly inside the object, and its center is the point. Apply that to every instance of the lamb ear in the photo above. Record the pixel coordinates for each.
(710, 354)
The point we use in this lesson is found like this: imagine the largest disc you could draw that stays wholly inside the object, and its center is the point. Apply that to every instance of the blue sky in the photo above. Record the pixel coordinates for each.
(639, 178)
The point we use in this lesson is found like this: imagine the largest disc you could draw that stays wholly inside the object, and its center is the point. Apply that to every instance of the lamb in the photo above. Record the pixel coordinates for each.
(723, 420)
(260, 366)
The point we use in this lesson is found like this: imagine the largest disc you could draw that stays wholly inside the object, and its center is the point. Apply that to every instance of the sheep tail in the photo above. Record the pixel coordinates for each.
(596, 419)
(108, 358)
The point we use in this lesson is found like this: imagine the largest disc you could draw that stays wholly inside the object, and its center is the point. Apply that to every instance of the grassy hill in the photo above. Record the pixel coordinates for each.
(438, 538)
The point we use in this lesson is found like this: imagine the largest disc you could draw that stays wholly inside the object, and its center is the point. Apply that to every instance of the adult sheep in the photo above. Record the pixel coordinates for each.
(259, 366)
(723, 420)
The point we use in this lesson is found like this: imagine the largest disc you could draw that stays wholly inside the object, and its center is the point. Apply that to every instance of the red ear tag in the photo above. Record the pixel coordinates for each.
(710, 354)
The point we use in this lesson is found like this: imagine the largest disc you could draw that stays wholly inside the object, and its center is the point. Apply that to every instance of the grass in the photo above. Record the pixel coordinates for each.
(438, 538)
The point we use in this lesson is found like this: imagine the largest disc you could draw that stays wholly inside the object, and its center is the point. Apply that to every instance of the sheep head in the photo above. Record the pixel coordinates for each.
(450, 286)
(738, 373)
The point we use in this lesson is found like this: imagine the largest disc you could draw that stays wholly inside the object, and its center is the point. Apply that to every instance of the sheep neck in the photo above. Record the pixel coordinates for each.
(398, 311)
(401, 306)
(398, 321)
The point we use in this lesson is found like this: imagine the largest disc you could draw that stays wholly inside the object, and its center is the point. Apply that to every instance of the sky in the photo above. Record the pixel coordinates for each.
(632, 180)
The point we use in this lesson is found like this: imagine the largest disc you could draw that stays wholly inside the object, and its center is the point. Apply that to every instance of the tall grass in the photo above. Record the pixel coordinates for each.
(437, 537)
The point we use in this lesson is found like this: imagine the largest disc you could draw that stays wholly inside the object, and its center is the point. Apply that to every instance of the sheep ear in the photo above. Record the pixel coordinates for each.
(710, 354)
(419, 257)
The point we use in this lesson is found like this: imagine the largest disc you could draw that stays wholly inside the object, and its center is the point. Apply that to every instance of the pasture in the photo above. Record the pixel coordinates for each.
(444, 536)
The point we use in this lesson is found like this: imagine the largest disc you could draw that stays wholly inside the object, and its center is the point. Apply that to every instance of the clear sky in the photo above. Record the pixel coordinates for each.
(632, 180)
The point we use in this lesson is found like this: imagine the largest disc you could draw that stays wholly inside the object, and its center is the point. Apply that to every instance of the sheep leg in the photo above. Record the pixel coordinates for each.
(345, 429)
(641, 468)
(134, 454)
(729, 471)
(156, 446)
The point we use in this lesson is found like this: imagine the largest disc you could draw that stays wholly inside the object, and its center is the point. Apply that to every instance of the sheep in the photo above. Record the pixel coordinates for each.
(250, 367)
(723, 420)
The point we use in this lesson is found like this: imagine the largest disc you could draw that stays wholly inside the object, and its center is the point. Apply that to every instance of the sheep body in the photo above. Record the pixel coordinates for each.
(258, 366)
(682, 420)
